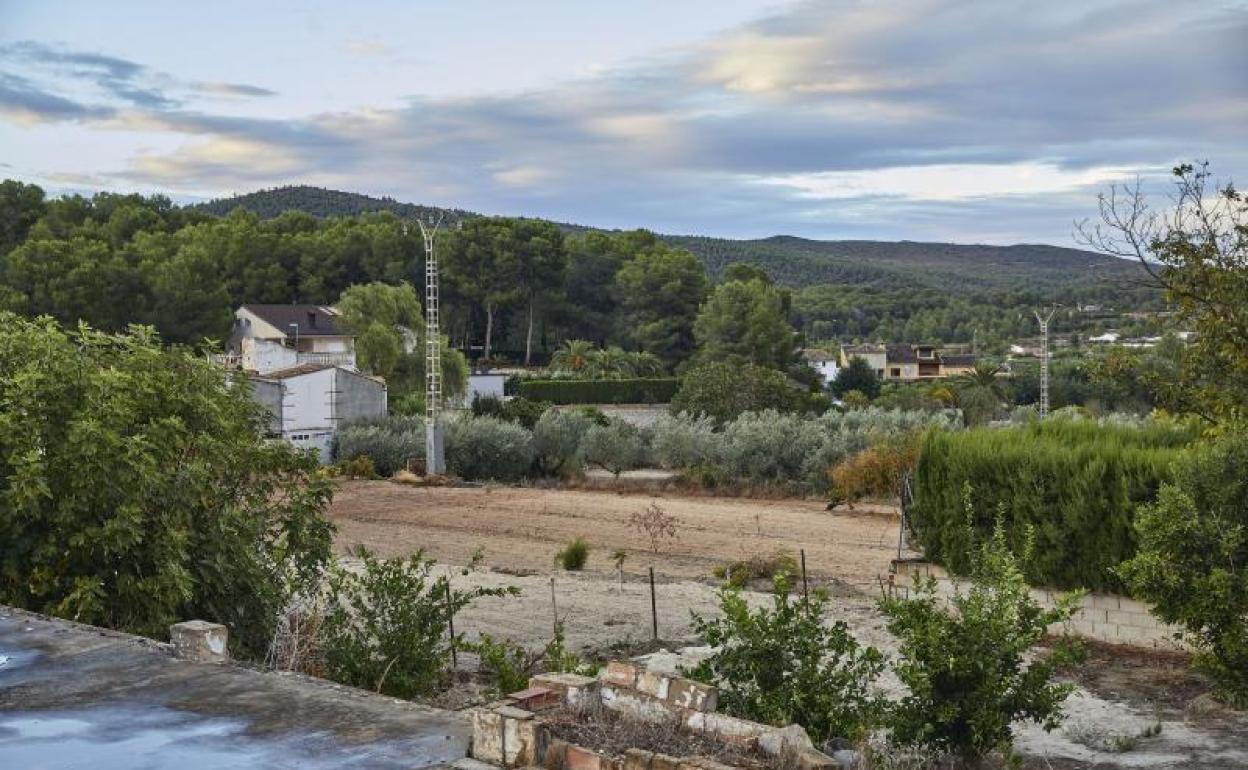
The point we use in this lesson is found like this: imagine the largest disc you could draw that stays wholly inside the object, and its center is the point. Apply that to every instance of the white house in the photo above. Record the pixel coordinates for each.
(269, 338)
(823, 362)
(309, 401)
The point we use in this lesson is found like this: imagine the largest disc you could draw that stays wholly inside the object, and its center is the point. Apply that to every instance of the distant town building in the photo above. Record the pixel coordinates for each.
(309, 401)
(268, 338)
(909, 363)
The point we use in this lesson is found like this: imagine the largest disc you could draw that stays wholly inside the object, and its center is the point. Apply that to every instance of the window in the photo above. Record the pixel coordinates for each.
(896, 372)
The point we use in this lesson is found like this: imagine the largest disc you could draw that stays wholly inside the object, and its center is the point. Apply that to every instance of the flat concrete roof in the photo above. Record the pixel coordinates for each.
(75, 696)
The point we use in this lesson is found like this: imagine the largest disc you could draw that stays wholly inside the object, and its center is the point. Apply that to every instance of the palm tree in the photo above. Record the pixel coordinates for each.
(644, 364)
(610, 364)
(573, 355)
(982, 376)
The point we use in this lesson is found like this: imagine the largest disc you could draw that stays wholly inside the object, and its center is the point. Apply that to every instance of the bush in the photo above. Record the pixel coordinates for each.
(723, 391)
(1193, 560)
(971, 672)
(768, 446)
(785, 665)
(655, 523)
(857, 376)
(486, 405)
(739, 574)
(557, 438)
(487, 448)
(385, 625)
(524, 411)
(649, 390)
(879, 471)
(138, 490)
(615, 447)
(574, 555)
(359, 467)
(389, 442)
(1075, 484)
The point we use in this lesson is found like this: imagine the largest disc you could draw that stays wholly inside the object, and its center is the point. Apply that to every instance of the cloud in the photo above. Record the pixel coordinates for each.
(233, 90)
(111, 82)
(824, 118)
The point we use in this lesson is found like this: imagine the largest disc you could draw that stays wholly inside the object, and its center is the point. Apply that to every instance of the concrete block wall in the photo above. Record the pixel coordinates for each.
(1104, 617)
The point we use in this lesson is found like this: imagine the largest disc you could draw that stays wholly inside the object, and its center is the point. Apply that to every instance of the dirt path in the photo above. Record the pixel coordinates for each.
(521, 529)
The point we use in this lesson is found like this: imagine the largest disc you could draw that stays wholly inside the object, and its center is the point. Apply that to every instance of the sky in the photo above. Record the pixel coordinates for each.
(986, 121)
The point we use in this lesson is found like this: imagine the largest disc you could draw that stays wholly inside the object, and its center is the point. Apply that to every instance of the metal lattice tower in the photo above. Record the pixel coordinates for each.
(1044, 360)
(435, 460)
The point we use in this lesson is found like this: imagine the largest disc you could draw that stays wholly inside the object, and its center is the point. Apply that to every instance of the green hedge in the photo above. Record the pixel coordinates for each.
(1076, 485)
(636, 391)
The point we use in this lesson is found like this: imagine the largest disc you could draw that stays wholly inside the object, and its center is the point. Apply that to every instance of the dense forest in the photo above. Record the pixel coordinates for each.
(515, 288)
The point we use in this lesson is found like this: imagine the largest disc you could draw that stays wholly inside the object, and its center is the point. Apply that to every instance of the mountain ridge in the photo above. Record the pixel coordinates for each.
(791, 260)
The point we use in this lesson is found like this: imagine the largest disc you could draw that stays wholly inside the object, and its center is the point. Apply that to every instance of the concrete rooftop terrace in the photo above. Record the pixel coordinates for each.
(75, 696)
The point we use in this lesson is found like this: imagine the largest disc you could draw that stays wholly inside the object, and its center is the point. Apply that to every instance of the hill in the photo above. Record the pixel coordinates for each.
(792, 261)
(320, 202)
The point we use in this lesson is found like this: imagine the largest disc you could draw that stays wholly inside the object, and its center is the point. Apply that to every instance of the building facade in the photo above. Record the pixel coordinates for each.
(909, 363)
(269, 338)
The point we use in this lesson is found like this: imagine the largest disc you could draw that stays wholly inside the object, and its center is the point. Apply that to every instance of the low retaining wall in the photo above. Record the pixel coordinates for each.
(511, 733)
(1103, 617)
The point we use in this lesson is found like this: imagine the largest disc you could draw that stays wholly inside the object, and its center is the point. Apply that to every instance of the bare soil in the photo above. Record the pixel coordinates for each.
(520, 529)
(1122, 694)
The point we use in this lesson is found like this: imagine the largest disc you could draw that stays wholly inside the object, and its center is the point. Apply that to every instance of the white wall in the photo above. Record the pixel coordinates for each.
(264, 356)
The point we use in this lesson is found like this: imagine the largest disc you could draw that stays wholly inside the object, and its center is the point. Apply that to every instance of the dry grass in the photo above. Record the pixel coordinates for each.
(613, 733)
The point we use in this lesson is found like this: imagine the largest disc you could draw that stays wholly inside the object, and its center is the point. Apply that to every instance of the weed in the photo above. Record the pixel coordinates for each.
(574, 555)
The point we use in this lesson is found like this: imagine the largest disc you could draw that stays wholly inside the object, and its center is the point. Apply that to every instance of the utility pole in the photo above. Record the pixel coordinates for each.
(435, 459)
(1044, 359)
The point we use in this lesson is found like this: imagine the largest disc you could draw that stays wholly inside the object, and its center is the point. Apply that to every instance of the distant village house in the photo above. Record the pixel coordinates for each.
(909, 363)
(303, 371)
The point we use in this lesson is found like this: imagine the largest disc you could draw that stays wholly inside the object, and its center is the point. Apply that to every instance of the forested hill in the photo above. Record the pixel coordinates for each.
(791, 261)
(320, 202)
(907, 264)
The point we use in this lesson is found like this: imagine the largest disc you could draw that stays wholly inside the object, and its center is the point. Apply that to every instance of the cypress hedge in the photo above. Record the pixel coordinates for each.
(657, 390)
(1075, 485)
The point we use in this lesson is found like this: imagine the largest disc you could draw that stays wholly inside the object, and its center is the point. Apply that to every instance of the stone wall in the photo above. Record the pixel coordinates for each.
(1103, 617)
(511, 733)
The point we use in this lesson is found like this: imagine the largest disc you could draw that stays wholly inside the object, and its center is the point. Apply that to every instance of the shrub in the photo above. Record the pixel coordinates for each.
(1075, 484)
(557, 439)
(359, 467)
(615, 447)
(879, 471)
(655, 523)
(511, 664)
(524, 411)
(739, 574)
(1193, 559)
(573, 555)
(138, 490)
(972, 671)
(488, 448)
(385, 624)
(647, 390)
(722, 391)
(486, 405)
(684, 441)
(784, 665)
(389, 442)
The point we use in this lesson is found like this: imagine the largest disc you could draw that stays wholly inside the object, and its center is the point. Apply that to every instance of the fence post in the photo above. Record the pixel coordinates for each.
(805, 587)
(450, 624)
(654, 609)
(554, 608)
